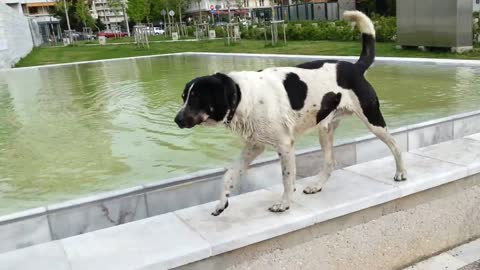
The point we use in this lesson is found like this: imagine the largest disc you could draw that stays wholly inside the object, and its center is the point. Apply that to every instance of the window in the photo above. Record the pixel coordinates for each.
(245, 3)
(262, 3)
(478, 2)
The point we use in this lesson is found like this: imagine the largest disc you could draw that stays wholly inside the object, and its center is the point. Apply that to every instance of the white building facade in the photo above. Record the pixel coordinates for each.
(109, 15)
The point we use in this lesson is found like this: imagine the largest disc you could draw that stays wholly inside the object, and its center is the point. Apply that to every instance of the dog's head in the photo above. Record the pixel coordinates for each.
(207, 100)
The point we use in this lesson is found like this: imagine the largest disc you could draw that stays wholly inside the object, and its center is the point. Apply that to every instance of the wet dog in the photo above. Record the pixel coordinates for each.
(276, 105)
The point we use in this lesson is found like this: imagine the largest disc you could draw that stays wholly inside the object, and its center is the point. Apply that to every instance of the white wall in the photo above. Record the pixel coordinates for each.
(15, 36)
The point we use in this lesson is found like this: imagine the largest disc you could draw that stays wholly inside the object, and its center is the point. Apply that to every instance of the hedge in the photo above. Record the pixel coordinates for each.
(338, 30)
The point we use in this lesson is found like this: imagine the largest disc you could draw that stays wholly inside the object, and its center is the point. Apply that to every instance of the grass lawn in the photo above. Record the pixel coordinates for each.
(54, 55)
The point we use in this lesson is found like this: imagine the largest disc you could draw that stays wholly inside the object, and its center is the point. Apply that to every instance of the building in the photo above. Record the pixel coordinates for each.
(476, 5)
(42, 12)
(245, 8)
(110, 15)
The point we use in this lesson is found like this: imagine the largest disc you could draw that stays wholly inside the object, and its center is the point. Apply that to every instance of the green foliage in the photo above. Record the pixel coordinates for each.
(82, 11)
(338, 30)
(78, 14)
(385, 27)
(138, 10)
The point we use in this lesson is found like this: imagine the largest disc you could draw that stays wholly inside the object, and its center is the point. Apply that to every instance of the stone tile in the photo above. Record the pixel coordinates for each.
(160, 242)
(103, 196)
(98, 215)
(474, 137)
(472, 266)
(375, 149)
(464, 152)
(442, 261)
(183, 196)
(258, 177)
(430, 135)
(22, 214)
(467, 253)
(345, 192)
(246, 221)
(48, 256)
(423, 173)
(312, 163)
(23, 233)
(466, 126)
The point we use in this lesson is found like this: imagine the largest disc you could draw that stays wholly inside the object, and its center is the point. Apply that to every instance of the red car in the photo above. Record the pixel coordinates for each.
(112, 34)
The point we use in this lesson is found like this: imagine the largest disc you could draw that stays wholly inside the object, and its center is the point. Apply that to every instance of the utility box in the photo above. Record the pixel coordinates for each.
(435, 23)
(102, 40)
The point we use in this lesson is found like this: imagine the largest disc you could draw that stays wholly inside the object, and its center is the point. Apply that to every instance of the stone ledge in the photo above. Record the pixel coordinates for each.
(192, 234)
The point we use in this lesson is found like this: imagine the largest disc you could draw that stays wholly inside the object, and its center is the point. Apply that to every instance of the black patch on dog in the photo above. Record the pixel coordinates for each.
(315, 64)
(350, 76)
(330, 102)
(296, 90)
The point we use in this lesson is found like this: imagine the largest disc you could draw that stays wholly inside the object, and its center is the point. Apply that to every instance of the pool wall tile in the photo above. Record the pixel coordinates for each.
(310, 164)
(24, 232)
(192, 193)
(371, 149)
(429, 135)
(466, 126)
(97, 215)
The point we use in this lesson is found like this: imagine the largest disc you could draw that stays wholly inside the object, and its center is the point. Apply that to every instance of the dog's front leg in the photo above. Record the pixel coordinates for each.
(249, 153)
(287, 159)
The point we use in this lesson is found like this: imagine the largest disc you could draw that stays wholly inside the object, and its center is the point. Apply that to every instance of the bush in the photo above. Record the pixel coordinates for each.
(339, 30)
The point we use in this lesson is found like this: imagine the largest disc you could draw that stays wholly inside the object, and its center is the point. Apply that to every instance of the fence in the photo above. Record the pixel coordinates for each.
(308, 11)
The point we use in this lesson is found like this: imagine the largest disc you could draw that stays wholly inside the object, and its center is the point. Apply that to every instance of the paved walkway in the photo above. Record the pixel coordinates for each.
(465, 257)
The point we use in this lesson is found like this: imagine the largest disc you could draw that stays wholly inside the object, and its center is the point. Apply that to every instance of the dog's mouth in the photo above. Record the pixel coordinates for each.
(191, 121)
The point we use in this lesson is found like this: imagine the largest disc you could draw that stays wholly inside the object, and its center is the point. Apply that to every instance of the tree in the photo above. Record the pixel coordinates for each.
(181, 5)
(139, 10)
(81, 10)
(78, 18)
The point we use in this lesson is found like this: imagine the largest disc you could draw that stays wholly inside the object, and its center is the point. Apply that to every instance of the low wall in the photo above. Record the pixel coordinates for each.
(16, 37)
(388, 236)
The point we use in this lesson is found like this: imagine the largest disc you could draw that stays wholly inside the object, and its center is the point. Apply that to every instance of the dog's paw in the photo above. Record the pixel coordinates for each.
(400, 176)
(220, 208)
(312, 190)
(279, 207)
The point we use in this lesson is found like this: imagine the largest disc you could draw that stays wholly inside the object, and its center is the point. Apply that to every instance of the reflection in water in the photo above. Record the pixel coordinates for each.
(71, 130)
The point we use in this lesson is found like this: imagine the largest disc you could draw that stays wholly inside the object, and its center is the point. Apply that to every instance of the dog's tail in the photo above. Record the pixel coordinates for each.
(365, 26)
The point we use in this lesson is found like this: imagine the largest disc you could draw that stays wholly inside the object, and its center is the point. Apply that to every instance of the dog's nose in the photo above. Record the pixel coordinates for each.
(180, 120)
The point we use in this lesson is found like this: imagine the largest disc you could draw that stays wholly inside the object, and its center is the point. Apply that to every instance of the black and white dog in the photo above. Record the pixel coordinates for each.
(276, 105)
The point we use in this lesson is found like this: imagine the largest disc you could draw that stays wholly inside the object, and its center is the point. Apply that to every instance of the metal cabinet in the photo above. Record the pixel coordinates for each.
(434, 23)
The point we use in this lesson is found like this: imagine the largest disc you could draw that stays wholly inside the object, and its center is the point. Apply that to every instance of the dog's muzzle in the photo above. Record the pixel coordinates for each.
(188, 119)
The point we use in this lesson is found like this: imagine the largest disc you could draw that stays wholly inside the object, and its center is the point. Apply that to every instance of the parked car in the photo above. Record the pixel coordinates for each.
(112, 34)
(158, 31)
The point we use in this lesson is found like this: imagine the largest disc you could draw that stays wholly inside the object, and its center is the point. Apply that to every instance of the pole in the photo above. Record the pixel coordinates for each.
(125, 16)
(68, 21)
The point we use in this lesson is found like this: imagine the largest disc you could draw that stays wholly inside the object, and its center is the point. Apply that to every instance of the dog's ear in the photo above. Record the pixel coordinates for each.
(229, 89)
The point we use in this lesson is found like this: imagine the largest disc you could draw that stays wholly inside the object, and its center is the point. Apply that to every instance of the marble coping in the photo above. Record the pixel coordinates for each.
(394, 60)
(195, 234)
(117, 207)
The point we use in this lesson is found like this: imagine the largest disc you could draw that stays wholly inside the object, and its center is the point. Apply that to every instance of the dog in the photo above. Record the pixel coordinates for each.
(276, 105)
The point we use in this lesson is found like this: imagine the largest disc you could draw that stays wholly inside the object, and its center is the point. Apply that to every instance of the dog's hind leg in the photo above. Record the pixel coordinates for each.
(326, 141)
(249, 153)
(380, 130)
(287, 159)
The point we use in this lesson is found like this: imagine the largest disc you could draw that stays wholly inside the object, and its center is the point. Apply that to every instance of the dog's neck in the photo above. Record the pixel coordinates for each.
(235, 100)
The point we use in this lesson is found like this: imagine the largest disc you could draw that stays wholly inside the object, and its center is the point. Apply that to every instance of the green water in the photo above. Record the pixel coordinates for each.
(74, 130)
